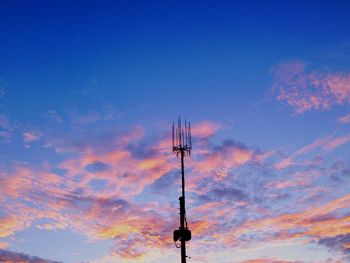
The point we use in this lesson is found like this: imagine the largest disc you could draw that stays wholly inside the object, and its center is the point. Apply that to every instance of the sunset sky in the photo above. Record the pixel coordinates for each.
(88, 94)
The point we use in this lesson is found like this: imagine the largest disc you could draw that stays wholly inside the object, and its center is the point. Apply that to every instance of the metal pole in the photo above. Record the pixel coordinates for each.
(182, 228)
(182, 211)
(183, 174)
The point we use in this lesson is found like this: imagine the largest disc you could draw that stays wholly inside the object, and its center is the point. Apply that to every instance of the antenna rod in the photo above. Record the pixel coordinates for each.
(186, 133)
(189, 129)
(173, 135)
(177, 137)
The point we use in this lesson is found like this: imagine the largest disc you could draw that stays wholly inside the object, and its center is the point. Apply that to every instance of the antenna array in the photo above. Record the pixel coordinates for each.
(182, 141)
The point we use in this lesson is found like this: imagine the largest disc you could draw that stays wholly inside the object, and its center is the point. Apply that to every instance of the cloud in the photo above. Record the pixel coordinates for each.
(9, 256)
(122, 187)
(54, 117)
(108, 113)
(230, 154)
(339, 242)
(306, 90)
(296, 179)
(8, 225)
(4, 123)
(205, 129)
(344, 119)
(228, 193)
(5, 136)
(268, 260)
(30, 136)
(327, 143)
(69, 200)
(6, 129)
(3, 245)
(316, 223)
(60, 200)
(336, 142)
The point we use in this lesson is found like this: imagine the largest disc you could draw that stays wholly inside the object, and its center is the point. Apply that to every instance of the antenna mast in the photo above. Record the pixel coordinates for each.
(182, 146)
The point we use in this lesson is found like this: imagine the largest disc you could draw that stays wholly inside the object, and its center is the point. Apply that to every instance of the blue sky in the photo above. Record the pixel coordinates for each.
(88, 93)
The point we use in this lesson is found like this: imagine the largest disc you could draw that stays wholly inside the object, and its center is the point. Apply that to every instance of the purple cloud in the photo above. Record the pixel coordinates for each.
(9, 256)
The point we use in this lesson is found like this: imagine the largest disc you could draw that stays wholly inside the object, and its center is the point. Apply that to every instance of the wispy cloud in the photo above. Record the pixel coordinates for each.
(30, 136)
(6, 129)
(306, 90)
(344, 119)
(327, 143)
(107, 113)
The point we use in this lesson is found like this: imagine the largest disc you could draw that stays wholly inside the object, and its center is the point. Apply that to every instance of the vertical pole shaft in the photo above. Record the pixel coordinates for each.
(182, 210)
(183, 173)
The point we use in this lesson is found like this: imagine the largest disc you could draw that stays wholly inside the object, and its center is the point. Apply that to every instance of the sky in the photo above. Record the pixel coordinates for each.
(88, 94)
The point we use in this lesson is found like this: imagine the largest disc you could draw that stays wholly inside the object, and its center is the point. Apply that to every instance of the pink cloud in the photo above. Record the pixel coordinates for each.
(296, 179)
(309, 90)
(30, 136)
(339, 86)
(205, 129)
(336, 142)
(284, 163)
(226, 157)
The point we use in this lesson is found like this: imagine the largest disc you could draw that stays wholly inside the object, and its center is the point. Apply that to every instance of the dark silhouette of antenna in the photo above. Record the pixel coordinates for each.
(182, 146)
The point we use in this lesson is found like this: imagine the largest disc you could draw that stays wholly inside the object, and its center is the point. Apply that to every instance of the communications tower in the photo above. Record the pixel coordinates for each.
(182, 146)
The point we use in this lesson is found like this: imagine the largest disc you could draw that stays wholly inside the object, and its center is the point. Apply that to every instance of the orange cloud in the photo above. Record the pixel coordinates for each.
(3, 245)
(10, 224)
(201, 227)
(346, 246)
(315, 223)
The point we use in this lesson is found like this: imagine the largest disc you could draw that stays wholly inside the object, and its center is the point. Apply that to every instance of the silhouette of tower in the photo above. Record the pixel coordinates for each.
(182, 145)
